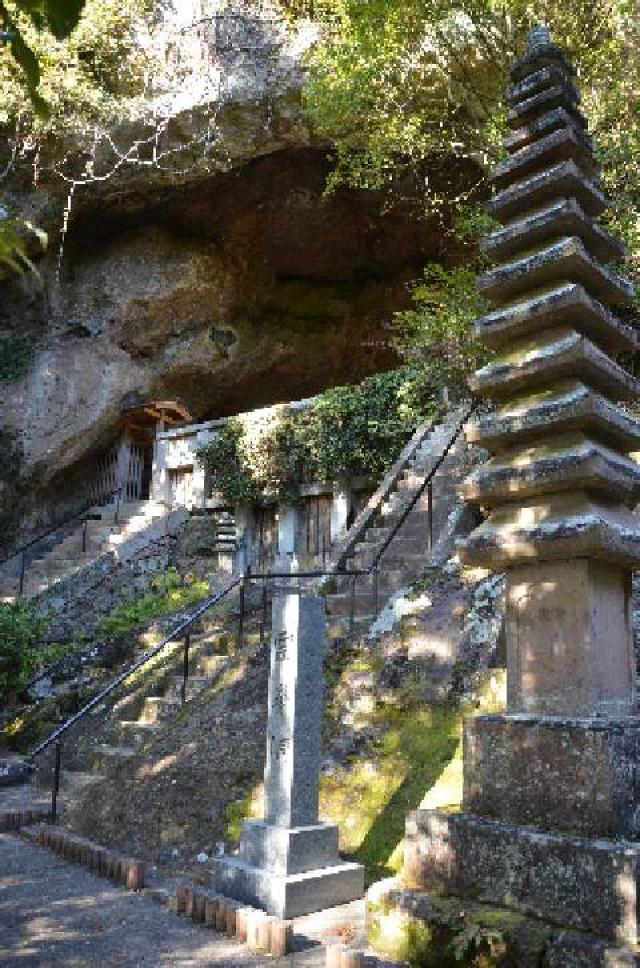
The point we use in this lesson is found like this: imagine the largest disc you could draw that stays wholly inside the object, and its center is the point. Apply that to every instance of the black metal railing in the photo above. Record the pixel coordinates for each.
(76, 516)
(185, 627)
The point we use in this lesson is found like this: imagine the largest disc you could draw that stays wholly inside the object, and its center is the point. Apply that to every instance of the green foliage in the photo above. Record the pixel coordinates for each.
(77, 84)
(56, 16)
(438, 330)
(352, 430)
(19, 656)
(227, 464)
(169, 592)
(408, 85)
(475, 937)
(14, 236)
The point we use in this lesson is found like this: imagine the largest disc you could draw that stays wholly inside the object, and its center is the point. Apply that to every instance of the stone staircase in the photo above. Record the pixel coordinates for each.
(355, 602)
(119, 733)
(106, 532)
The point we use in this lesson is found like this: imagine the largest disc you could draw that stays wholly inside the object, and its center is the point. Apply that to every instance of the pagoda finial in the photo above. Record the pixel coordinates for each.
(538, 36)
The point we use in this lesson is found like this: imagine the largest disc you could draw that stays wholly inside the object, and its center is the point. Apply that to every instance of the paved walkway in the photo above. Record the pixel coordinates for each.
(56, 913)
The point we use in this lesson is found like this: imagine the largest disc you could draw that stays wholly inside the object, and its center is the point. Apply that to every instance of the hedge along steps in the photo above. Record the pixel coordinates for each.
(126, 871)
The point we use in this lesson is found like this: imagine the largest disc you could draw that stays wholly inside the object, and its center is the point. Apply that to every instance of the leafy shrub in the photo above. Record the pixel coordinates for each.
(346, 431)
(438, 330)
(169, 592)
(19, 656)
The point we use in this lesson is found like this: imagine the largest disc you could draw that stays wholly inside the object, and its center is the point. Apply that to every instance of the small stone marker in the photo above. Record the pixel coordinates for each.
(288, 862)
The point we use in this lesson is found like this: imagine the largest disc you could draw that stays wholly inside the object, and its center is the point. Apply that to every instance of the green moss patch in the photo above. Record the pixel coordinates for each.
(414, 761)
(169, 593)
(447, 932)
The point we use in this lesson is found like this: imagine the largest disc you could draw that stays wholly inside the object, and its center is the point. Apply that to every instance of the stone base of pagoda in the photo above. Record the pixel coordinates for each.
(400, 918)
(583, 883)
(577, 776)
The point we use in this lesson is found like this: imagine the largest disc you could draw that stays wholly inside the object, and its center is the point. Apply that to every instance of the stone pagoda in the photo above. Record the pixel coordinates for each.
(551, 813)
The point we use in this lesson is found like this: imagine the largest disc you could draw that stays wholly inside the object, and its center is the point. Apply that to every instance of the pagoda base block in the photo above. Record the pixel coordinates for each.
(425, 928)
(587, 884)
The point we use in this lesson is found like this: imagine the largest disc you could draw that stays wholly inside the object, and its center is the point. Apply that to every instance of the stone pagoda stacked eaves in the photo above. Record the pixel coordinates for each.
(560, 483)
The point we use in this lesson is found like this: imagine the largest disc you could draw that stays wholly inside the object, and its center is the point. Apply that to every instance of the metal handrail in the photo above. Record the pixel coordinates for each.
(56, 527)
(184, 628)
(144, 658)
(345, 545)
(426, 485)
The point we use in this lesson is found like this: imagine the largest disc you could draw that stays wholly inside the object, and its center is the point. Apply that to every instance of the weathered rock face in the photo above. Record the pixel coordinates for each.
(236, 285)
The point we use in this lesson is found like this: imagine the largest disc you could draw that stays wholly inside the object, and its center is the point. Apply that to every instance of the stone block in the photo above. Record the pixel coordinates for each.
(296, 689)
(288, 850)
(569, 639)
(562, 409)
(558, 96)
(560, 145)
(290, 896)
(564, 216)
(555, 527)
(570, 950)
(395, 913)
(581, 775)
(588, 884)
(572, 461)
(519, 138)
(562, 259)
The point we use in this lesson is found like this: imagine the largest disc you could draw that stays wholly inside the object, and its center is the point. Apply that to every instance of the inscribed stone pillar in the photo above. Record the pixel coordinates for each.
(288, 863)
(551, 789)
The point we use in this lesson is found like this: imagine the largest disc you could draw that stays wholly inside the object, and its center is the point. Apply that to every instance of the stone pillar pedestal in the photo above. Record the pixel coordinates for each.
(288, 863)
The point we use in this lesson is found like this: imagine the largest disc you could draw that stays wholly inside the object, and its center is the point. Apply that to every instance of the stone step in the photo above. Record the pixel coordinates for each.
(133, 731)
(157, 708)
(399, 502)
(338, 626)
(388, 580)
(74, 782)
(339, 604)
(105, 756)
(195, 685)
(391, 560)
(207, 665)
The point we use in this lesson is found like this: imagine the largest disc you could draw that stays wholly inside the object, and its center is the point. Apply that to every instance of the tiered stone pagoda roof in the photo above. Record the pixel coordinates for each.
(560, 482)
